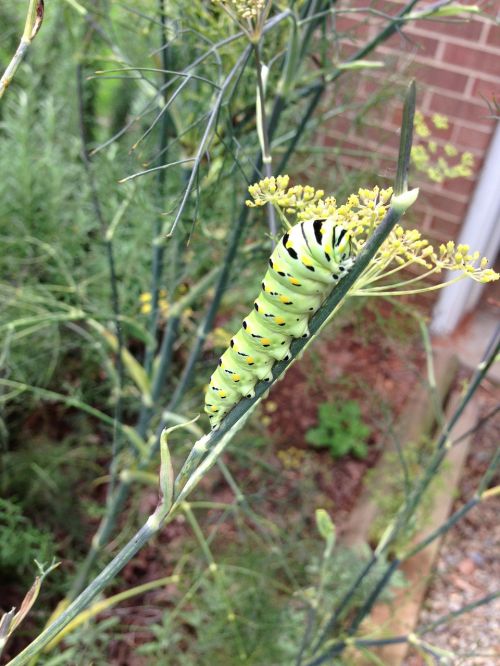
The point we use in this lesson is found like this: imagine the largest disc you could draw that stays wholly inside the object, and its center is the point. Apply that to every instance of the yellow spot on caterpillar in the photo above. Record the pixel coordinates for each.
(322, 229)
(267, 288)
(289, 244)
(307, 261)
(285, 300)
(250, 360)
(222, 394)
(265, 341)
(328, 248)
(236, 378)
(279, 321)
(294, 281)
(214, 409)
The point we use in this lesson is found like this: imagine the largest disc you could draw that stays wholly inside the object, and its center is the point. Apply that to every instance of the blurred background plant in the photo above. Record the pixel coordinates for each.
(128, 140)
(340, 429)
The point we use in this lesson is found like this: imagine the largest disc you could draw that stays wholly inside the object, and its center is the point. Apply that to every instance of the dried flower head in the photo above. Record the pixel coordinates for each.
(243, 9)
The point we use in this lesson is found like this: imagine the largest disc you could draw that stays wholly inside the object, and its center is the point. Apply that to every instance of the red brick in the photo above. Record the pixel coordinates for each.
(493, 36)
(469, 138)
(348, 48)
(425, 46)
(469, 30)
(444, 229)
(419, 45)
(371, 85)
(437, 203)
(441, 78)
(388, 141)
(352, 163)
(462, 185)
(459, 108)
(342, 124)
(478, 60)
(486, 89)
(343, 142)
(348, 23)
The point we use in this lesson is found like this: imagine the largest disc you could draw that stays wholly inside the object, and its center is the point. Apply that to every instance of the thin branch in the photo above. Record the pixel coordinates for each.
(263, 132)
(115, 299)
(34, 19)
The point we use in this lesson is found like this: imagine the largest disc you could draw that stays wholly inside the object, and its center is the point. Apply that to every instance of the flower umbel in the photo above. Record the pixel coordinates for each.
(403, 250)
(428, 158)
(249, 15)
(243, 9)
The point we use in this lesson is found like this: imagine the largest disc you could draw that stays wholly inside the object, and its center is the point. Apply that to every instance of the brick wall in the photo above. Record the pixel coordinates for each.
(457, 69)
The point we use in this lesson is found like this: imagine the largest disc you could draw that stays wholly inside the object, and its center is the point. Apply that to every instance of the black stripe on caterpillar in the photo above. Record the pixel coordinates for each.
(306, 264)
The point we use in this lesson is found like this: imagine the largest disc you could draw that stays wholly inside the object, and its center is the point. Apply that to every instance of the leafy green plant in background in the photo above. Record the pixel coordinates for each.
(22, 543)
(340, 429)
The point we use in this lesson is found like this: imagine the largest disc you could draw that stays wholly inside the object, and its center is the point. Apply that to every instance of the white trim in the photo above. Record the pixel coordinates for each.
(481, 230)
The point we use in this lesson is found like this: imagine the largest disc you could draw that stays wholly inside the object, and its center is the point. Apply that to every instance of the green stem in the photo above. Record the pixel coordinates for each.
(263, 126)
(465, 609)
(217, 574)
(106, 576)
(115, 300)
(34, 19)
(100, 538)
(339, 647)
(158, 244)
(208, 133)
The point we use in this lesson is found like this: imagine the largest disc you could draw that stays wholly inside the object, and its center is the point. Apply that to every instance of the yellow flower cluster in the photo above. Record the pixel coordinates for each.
(404, 248)
(460, 258)
(243, 9)
(276, 191)
(360, 215)
(407, 245)
(362, 212)
(426, 156)
(146, 306)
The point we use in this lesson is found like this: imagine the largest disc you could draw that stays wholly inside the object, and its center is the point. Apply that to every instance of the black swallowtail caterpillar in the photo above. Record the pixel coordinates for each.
(305, 266)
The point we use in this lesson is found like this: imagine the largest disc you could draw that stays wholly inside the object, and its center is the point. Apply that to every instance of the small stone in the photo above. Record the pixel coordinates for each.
(477, 558)
(466, 566)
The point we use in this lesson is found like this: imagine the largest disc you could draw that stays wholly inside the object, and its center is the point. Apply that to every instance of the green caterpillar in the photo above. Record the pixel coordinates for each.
(304, 267)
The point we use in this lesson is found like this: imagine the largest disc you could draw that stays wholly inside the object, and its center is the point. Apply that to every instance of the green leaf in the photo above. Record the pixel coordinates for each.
(317, 437)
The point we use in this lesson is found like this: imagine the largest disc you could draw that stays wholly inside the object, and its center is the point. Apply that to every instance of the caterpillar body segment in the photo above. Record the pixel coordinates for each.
(255, 357)
(306, 264)
(290, 300)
